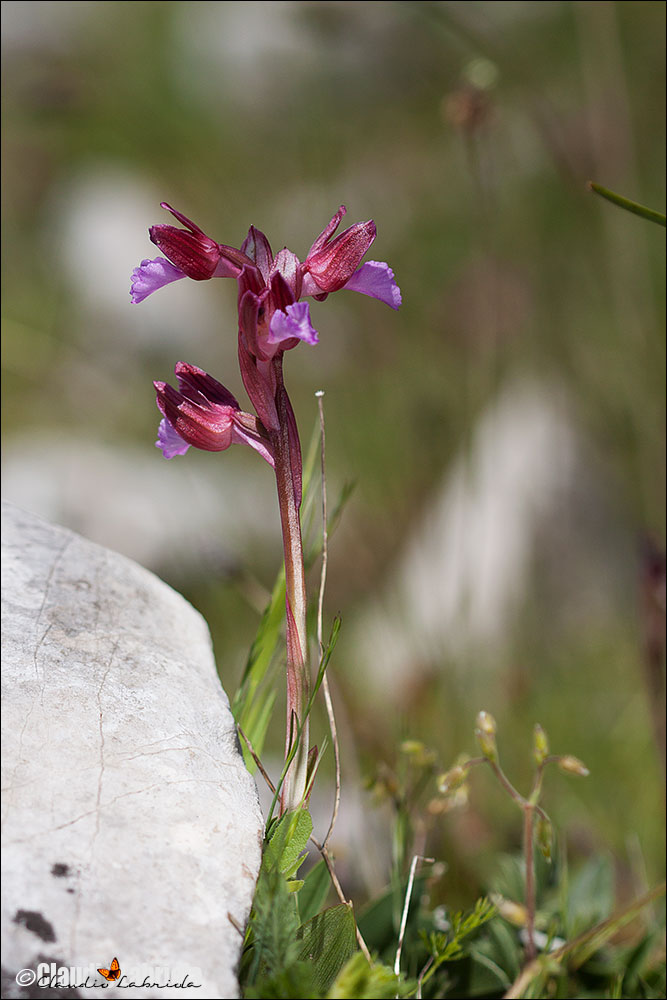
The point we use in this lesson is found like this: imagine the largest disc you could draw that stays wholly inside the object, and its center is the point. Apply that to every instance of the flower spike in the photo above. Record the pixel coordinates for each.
(202, 413)
(277, 283)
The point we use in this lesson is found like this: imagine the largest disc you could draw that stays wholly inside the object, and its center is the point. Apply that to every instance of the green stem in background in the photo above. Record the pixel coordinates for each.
(529, 807)
(486, 738)
(529, 861)
(287, 455)
(629, 206)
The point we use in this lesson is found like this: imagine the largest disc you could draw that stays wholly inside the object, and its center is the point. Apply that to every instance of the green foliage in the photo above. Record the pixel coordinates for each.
(448, 947)
(590, 897)
(328, 941)
(291, 951)
(373, 982)
(255, 697)
(495, 961)
(313, 895)
(296, 949)
(286, 842)
(271, 947)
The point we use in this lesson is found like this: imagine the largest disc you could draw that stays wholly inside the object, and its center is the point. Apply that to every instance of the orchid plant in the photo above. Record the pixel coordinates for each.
(272, 319)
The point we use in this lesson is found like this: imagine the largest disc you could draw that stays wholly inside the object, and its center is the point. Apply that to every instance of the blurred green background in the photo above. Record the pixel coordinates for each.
(503, 547)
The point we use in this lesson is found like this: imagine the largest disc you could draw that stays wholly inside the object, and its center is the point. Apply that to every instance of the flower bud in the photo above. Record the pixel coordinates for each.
(486, 723)
(514, 913)
(419, 754)
(572, 765)
(455, 799)
(486, 735)
(540, 744)
(451, 780)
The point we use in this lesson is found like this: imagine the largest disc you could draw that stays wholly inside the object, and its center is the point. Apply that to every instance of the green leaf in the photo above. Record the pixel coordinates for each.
(253, 703)
(264, 643)
(314, 893)
(292, 982)
(271, 937)
(372, 982)
(288, 840)
(486, 976)
(629, 206)
(591, 895)
(505, 948)
(449, 947)
(328, 940)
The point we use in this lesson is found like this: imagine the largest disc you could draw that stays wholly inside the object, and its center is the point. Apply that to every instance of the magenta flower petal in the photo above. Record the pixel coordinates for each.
(201, 388)
(288, 265)
(334, 263)
(151, 275)
(244, 435)
(169, 441)
(293, 322)
(375, 278)
(258, 249)
(202, 413)
(194, 253)
(328, 230)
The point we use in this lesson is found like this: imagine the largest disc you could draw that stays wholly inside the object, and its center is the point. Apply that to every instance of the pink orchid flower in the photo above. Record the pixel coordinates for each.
(202, 413)
(271, 315)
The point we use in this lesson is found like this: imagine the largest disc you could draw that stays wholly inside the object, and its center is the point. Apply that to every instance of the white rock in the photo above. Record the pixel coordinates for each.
(131, 827)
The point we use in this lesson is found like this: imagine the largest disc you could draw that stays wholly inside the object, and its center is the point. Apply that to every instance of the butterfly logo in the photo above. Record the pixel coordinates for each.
(112, 973)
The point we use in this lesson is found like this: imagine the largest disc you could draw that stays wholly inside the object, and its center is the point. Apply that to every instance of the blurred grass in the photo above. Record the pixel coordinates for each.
(468, 132)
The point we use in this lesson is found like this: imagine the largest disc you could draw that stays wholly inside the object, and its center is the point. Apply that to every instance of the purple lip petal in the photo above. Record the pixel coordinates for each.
(169, 442)
(151, 275)
(375, 278)
(293, 322)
